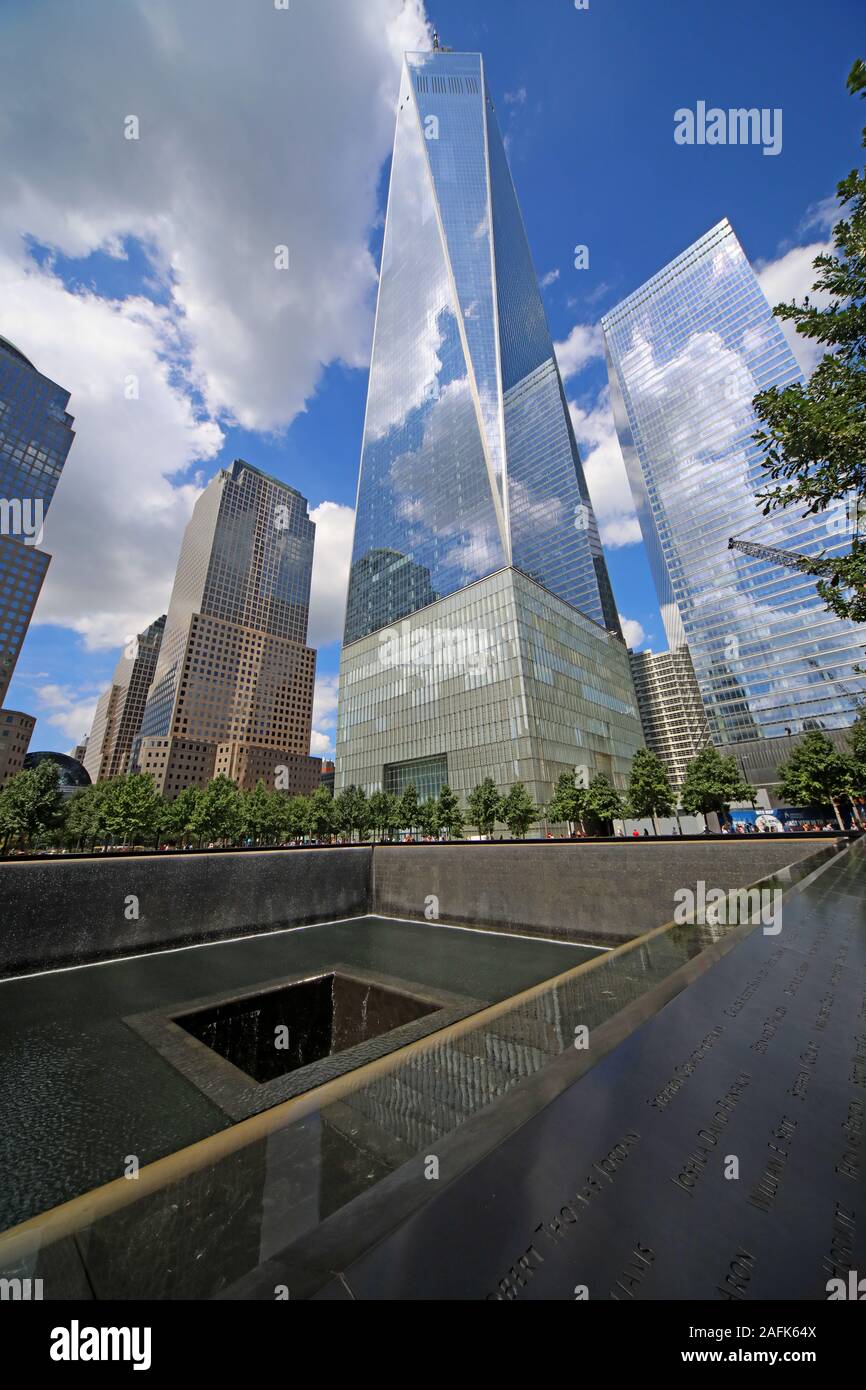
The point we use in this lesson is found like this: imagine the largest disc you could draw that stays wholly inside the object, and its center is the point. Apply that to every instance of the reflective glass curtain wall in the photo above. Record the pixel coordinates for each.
(35, 438)
(469, 462)
(687, 352)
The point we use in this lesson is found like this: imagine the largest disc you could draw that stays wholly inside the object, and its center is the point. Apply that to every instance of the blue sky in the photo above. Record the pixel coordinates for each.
(119, 256)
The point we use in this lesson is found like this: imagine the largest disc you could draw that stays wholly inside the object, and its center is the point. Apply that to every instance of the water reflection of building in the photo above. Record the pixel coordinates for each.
(474, 535)
(727, 705)
(671, 710)
(385, 586)
(687, 353)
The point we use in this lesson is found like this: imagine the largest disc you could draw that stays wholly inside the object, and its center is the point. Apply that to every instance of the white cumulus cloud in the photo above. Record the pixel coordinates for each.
(331, 560)
(632, 631)
(791, 276)
(66, 710)
(606, 477)
(584, 342)
(257, 128)
(324, 716)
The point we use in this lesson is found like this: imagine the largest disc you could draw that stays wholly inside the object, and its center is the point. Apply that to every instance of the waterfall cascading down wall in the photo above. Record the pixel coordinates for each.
(59, 911)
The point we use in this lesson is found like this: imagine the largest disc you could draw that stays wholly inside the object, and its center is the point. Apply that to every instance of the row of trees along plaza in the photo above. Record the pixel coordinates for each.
(128, 811)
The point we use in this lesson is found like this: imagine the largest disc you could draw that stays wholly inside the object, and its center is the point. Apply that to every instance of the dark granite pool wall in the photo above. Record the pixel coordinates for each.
(601, 893)
(68, 911)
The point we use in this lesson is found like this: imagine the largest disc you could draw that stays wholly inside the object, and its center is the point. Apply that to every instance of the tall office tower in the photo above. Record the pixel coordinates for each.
(671, 710)
(687, 352)
(35, 437)
(481, 632)
(232, 691)
(120, 708)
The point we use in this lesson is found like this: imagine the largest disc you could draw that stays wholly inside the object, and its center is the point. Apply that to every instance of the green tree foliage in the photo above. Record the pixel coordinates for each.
(31, 805)
(857, 745)
(519, 811)
(485, 806)
(428, 816)
(649, 787)
(409, 809)
(292, 814)
(568, 805)
(857, 737)
(177, 817)
(219, 815)
(855, 787)
(131, 812)
(321, 814)
(603, 802)
(84, 816)
(353, 812)
(815, 438)
(816, 774)
(451, 817)
(712, 782)
(384, 813)
(263, 814)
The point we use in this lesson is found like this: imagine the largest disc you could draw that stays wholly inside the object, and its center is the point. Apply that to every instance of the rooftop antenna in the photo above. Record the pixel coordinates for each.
(435, 41)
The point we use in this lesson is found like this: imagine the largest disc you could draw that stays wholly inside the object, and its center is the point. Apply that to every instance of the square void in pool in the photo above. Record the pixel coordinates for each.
(249, 1051)
(269, 1034)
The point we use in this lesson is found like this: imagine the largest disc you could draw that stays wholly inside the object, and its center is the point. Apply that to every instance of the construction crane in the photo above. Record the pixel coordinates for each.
(792, 561)
(853, 521)
(789, 559)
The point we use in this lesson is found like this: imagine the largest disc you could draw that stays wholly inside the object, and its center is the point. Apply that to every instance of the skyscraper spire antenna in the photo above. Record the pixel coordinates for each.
(435, 40)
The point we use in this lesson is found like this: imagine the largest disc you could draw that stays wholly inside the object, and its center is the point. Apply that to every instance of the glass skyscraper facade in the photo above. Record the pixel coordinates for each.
(687, 352)
(469, 461)
(473, 517)
(36, 435)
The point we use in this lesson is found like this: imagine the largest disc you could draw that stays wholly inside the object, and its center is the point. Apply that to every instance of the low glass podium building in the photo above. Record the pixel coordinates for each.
(502, 679)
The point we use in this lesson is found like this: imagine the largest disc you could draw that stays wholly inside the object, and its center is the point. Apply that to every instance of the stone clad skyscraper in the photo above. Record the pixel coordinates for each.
(232, 691)
(120, 708)
(687, 352)
(481, 633)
